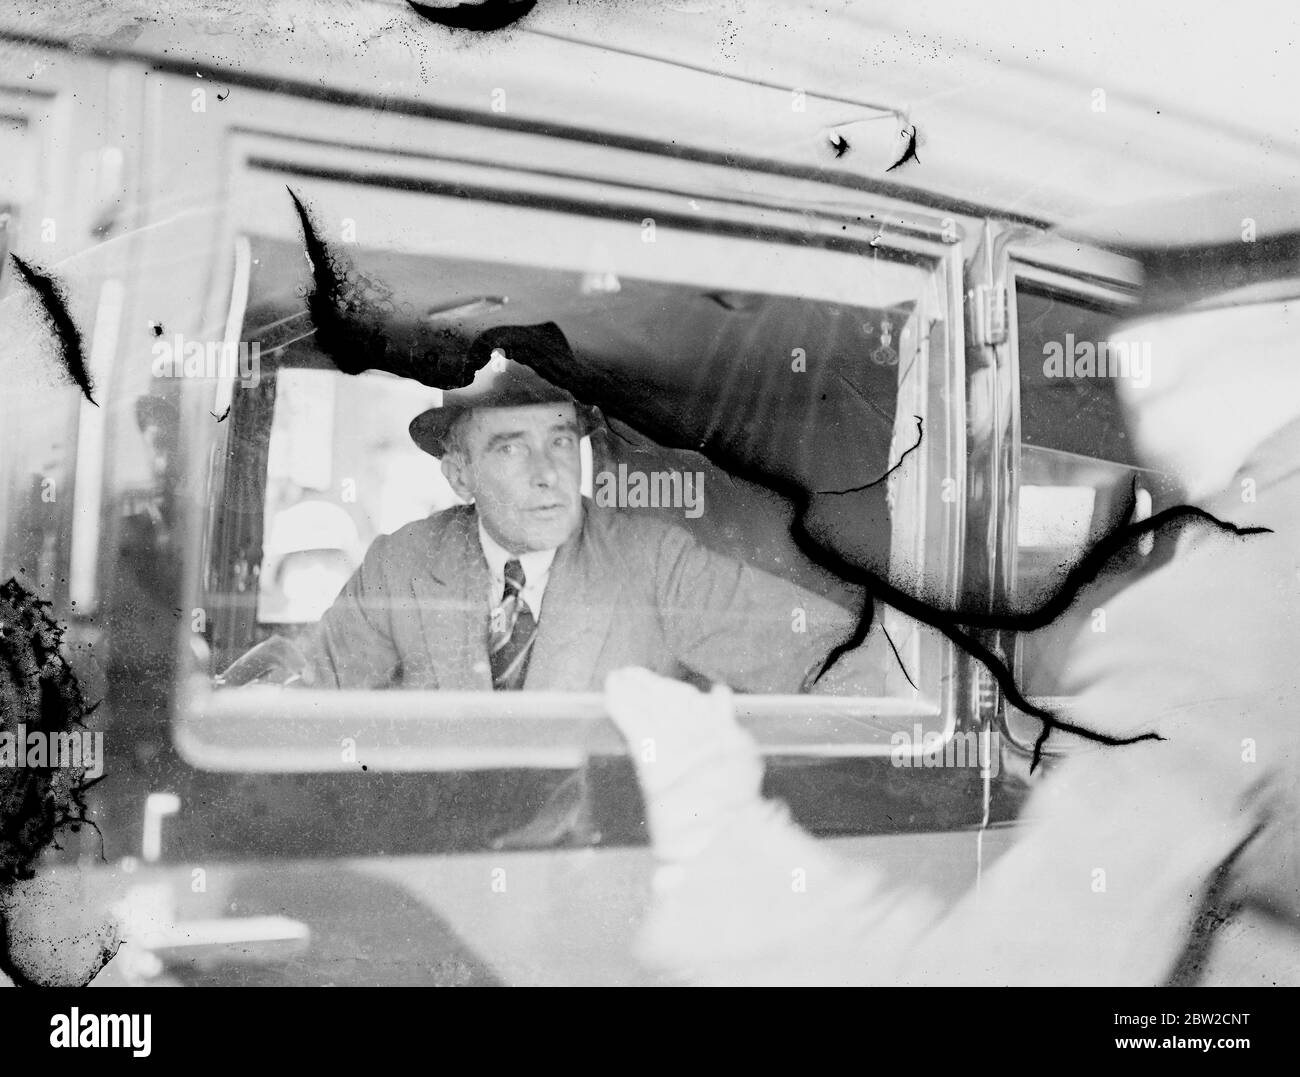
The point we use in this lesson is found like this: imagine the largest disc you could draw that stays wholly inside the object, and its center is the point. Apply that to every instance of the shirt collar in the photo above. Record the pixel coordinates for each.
(536, 563)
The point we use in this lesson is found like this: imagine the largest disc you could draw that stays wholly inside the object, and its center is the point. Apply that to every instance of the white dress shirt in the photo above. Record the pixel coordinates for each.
(537, 569)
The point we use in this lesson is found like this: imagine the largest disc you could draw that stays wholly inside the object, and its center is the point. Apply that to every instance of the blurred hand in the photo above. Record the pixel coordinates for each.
(697, 767)
(276, 661)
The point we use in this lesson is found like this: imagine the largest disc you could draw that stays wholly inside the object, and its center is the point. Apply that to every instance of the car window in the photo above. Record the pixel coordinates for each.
(1076, 463)
(811, 370)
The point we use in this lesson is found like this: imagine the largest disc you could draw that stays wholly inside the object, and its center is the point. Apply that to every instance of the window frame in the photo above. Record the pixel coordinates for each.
(1093, 277)
(291, 730)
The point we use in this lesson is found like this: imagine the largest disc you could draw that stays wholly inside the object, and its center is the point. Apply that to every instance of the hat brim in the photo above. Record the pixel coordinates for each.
(429, 429)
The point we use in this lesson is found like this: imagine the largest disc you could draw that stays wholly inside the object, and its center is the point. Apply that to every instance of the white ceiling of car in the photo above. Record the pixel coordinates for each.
(1199, 96)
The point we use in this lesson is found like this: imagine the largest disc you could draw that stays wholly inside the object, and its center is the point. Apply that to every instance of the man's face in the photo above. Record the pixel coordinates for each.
(521, 468)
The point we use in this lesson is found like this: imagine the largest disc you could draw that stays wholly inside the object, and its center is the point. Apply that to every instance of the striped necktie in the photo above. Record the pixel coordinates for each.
(513, 629)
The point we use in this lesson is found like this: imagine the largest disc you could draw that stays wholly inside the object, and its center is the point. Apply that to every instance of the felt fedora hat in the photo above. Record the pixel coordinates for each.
(504, 383)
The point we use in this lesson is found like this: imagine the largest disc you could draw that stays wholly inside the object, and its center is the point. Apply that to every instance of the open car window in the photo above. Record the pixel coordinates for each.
(817, 371)
(1077, 470)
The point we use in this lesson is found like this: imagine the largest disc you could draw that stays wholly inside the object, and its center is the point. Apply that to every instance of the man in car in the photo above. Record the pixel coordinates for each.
(531, 586)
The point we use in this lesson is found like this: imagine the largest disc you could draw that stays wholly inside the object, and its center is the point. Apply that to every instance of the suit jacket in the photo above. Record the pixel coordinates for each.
(626, 589)
(1175, 860)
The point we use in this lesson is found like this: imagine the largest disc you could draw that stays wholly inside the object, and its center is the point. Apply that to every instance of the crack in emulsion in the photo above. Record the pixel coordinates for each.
(352, 313)
(920, 436)
(67, 336)
(909, 153)
(897, 658)
(601, 390)
(360, 327)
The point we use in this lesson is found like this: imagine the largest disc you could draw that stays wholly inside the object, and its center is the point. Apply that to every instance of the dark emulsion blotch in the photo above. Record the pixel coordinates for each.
(66, 334)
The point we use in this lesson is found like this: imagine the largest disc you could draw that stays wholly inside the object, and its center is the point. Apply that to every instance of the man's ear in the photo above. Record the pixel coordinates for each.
(459, 475)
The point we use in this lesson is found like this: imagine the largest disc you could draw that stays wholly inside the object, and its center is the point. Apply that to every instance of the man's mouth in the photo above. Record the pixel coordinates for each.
(553, 509)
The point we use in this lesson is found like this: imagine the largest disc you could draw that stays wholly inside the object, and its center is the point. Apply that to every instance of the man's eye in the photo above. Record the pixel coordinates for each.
(565, 441)
(511, 448)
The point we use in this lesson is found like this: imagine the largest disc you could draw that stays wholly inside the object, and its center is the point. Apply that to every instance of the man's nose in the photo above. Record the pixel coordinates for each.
(545, 473)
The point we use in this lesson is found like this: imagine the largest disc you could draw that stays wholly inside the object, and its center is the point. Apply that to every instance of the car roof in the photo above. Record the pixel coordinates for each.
(1002, 100)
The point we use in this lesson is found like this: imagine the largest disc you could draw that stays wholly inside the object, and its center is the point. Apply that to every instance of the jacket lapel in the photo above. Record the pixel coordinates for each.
(582, 595)
(454, 609)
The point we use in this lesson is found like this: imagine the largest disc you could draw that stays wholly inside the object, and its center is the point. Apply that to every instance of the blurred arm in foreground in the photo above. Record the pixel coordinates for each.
(1191, 831)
